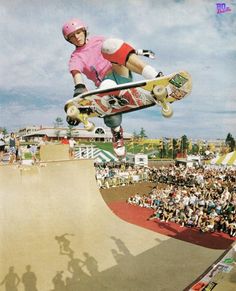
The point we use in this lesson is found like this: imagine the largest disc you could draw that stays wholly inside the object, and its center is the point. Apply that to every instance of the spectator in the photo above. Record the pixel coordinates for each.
(72, 144)
(232, 226)
(11, 280)
(18, 150)
(65, 140)
(2, 145)
(12, 148)
(33, 151)
(29, 279)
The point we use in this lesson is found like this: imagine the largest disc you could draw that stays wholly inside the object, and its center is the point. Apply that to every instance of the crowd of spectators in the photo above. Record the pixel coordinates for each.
(203, 197)
(115, 175)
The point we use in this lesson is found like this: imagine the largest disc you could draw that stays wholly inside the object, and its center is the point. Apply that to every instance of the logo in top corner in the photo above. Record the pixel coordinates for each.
(222, 8)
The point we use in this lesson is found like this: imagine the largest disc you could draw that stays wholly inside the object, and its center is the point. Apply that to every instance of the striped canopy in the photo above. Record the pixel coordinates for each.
(227, 159)
(100, 156)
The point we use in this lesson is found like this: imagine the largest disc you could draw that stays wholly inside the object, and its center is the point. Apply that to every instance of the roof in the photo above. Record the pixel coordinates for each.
(98, 132)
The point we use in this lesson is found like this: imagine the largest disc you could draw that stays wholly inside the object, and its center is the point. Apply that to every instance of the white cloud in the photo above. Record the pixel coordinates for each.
(21, 116)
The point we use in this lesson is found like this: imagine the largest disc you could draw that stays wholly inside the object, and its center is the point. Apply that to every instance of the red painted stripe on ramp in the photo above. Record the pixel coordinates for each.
(137, 215)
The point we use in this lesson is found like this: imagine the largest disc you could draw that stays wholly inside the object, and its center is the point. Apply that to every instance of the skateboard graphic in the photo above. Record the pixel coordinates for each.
(129, 97)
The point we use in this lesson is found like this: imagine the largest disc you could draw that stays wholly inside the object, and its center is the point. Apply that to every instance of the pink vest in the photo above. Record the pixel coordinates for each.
(89, 61)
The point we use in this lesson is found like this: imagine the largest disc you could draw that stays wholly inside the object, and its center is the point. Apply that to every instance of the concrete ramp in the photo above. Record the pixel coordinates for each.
(58, 234)
(54, 152)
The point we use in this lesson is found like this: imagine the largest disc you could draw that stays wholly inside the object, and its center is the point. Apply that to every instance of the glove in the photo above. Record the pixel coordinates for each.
(71, 121)
(79, 89)
(146, 53)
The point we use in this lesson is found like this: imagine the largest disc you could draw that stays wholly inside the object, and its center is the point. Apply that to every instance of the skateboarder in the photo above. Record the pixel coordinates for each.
(64, 244)
(107, 62)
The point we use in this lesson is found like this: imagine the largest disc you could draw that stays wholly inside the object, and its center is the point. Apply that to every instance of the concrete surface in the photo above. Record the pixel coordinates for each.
(40, 204)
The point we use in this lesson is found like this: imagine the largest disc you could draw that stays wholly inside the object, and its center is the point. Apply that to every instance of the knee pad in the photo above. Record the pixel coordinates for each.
(116, 51)
(113, 120)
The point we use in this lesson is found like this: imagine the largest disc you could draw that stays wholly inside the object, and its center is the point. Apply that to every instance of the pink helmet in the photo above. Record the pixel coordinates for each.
(71, 26)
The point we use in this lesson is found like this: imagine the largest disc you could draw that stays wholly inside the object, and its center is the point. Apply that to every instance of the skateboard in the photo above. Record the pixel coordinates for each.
(129, 97)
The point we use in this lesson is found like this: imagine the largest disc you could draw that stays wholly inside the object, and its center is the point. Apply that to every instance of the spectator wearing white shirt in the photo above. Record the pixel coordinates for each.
(2, 145)
(72, 144)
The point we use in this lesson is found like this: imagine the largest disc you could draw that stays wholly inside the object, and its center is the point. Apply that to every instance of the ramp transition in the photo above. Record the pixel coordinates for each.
(57, 233)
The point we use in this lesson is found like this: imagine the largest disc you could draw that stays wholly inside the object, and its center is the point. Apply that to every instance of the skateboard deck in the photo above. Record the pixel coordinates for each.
(130, 97)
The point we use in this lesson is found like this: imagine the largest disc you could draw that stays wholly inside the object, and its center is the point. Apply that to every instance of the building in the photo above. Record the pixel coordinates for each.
(29, 130)
(79, 134)
(137, 159)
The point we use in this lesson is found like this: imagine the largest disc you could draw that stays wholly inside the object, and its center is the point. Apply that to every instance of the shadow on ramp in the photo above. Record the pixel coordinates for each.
(54, 220)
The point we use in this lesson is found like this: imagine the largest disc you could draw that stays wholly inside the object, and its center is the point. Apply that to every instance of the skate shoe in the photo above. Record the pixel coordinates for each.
(118, 142)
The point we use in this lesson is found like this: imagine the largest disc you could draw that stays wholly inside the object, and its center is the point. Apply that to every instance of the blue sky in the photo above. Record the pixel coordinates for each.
(187, 34)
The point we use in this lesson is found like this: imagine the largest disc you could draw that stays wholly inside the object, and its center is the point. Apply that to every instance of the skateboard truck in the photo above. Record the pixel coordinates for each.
(160, 94)
(73, 112)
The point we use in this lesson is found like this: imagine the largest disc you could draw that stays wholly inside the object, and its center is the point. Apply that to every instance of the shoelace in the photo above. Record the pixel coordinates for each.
(118, 139)
(117, 135)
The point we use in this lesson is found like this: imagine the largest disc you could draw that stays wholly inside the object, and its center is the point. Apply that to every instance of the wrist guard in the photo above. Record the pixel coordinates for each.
(79, 89)
(146, 53)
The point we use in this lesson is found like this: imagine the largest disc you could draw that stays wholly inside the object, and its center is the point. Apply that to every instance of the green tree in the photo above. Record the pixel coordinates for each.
(185, 143)
(195, 149)
(176, 147)
(135, 135)
(4, 130)
(142, 133)
(57, 124)
(230, 142)
(180, 145)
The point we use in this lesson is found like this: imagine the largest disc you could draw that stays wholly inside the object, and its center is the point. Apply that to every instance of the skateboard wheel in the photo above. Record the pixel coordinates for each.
(160, 93)
(72, 121)
(167, 112)
(90, 126)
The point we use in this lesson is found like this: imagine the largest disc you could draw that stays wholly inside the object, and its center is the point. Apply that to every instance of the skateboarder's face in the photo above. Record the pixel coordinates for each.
(77, 37)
